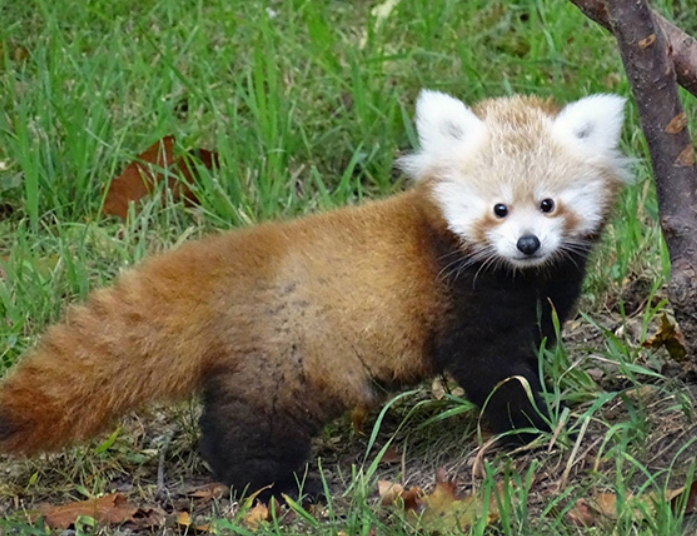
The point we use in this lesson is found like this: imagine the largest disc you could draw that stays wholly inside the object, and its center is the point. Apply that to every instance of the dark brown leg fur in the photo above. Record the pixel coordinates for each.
(253, 441)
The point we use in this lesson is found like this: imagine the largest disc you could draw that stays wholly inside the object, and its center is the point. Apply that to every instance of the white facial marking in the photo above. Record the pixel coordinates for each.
(519, 155)
(459, 202)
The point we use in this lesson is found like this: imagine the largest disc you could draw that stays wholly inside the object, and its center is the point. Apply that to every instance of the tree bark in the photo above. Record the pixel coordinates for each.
(653, 80)
(681, 47)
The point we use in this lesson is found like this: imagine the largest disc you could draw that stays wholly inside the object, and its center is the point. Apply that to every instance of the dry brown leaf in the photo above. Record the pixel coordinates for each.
(677, 498)
(391, 456)
(394, 493)
(261, 513)
(444, 510)
(214, 490)
(582, 515)
(389, 492)
(155, 165)
(256, 515)
(412, 499)
(602, 507)
(184, 521)
(606, 504)
(112, 509)
(669, 337)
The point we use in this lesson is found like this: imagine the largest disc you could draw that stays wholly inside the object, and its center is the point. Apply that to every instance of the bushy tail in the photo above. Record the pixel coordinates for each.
(135, 342)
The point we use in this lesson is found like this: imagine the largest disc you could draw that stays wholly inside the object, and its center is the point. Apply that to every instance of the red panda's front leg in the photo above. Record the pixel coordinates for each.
(502, 379)
(510, 398)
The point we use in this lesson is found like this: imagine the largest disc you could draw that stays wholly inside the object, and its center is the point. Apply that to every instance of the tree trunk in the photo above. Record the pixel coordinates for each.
(644, 52)
(681, 47)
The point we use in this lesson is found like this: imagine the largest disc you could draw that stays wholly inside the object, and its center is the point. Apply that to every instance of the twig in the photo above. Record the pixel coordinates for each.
(681, 48)
(160, 493)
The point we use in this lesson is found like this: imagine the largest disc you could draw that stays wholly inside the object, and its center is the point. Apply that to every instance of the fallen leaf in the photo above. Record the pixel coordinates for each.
(412, 499)
(669, 337)
(155, 165)
(686, 497)
(582, 515)
(256, 515)
(391, 456)
(602, 507)
(442, 510)
(392, 493)
(445, 511)
(112, 509)
(261, 513)
(214, 490)
(389, 491)
(184, 521)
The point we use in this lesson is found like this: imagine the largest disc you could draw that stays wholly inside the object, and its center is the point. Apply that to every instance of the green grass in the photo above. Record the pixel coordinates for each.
(308, 103)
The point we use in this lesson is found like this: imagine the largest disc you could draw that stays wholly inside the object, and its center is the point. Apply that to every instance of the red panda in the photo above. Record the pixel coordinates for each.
(284, 326)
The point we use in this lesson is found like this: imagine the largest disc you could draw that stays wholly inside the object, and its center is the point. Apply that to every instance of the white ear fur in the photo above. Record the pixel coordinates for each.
(591, 125)
(442, 120)
(446, 128)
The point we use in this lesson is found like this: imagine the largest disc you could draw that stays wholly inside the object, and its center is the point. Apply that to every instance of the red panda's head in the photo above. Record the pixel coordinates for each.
(519, 181)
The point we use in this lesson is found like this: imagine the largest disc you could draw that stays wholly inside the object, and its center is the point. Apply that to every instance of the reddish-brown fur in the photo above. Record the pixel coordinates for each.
(221, 302)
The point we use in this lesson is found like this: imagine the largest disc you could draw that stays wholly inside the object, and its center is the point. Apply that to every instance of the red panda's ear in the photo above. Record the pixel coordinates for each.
(442, 120)
(591, 126)
(446, 128)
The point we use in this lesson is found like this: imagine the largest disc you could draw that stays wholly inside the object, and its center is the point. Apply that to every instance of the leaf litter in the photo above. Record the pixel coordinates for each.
(443, 509)
(111, 509)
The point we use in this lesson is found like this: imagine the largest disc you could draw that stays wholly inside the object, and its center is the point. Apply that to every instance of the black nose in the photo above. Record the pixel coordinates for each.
(528, 244)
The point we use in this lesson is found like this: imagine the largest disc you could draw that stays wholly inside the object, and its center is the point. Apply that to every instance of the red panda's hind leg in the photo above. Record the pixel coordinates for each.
(251, 440)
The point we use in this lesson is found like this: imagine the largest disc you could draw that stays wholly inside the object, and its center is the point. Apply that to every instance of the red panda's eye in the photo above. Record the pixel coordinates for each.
(547, 205)
(500, 210)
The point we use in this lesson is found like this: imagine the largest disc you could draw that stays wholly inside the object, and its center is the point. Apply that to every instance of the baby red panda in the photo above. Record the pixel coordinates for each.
(283, 326)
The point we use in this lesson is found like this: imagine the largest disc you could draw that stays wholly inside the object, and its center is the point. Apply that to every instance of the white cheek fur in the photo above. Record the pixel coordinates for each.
(587, 200)
(462, 207)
